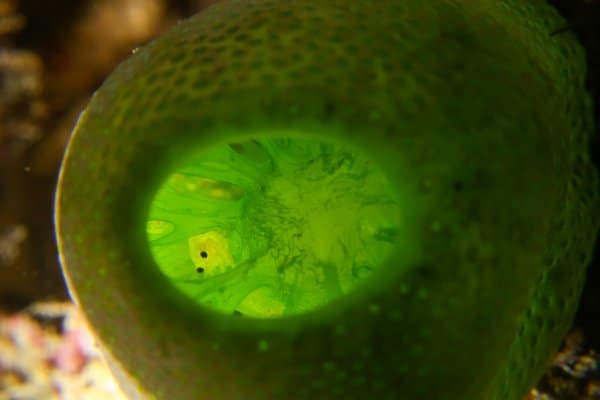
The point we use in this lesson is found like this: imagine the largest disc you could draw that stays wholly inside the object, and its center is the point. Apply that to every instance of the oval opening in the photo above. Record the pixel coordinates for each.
(273, 226)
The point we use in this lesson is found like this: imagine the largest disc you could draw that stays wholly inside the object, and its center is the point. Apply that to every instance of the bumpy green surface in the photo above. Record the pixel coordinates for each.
(477, 116)
(273, 227)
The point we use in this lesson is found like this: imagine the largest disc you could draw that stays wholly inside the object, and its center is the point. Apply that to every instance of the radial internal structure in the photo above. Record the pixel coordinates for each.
(270, 227)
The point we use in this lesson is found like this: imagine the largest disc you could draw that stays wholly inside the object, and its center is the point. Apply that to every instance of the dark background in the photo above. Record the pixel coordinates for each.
(53, 54)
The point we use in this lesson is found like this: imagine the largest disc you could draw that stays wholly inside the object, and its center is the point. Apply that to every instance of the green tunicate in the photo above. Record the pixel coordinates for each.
(400, 188)
(273, 227)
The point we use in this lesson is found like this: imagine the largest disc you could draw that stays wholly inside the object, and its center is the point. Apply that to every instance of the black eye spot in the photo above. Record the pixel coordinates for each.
(329, 109)
(458, 186)
(203, 254)
(199, 270)
(237, 313)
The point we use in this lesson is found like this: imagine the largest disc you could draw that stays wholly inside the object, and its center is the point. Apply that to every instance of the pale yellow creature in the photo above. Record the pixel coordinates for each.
(261, 303)
(209, 252)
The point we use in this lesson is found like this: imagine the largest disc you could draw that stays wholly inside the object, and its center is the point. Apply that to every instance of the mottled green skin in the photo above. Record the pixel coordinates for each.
(478, 114)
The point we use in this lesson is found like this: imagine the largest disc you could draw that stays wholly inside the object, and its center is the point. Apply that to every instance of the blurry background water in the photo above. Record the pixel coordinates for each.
(53, 54)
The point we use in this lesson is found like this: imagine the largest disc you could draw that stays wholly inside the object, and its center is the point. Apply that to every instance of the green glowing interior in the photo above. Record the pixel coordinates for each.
(273, 226)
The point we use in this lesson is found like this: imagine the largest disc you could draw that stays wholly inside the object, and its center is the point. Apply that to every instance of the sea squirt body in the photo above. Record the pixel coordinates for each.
(480, 119)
